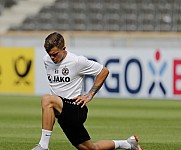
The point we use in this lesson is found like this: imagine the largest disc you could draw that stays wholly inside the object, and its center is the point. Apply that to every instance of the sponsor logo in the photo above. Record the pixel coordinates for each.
(22, 74)
(53, 79)
(57, 78)
(134, 75)
(157, 72)
(47, 135)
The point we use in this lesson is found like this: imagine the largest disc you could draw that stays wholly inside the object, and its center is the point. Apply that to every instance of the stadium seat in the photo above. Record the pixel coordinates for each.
(106, 15)
(9, 3)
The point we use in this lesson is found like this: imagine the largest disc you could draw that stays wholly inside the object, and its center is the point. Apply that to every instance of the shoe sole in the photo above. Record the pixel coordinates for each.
(139, 147)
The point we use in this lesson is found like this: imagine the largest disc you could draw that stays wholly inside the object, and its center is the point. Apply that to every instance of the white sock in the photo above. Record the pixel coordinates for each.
(122, 144)
(45, 138)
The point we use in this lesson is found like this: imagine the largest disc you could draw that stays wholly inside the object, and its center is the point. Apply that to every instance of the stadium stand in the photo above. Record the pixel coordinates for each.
(4, 4)
(105, 15)
(15, 14)
(7, 3)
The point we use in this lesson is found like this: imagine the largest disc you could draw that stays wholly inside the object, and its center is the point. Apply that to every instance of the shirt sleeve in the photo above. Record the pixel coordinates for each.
(45, 61)
(88, 67)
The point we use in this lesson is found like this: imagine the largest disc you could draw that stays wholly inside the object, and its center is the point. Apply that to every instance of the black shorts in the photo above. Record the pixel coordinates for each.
(72, 121)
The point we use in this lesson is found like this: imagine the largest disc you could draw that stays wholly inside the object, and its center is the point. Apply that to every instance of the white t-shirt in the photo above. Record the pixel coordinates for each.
(66, 78)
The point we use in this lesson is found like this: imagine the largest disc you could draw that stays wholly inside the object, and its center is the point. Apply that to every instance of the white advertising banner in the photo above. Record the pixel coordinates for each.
(141, 66)
(138, 73)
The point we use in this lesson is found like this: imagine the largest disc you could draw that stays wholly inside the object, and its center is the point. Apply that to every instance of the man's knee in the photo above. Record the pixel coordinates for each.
(46, 100)
(50, 101)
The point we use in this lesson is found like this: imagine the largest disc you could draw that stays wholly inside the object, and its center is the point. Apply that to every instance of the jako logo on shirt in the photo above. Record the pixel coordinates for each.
(57, 78)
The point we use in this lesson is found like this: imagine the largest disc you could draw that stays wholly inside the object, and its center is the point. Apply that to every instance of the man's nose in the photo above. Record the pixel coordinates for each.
(52, 57)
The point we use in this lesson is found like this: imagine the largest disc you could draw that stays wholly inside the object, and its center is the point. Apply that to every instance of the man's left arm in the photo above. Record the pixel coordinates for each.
(99, 80)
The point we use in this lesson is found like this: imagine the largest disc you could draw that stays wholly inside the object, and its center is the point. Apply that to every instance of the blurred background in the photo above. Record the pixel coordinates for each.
(137, 40)
(91, 15)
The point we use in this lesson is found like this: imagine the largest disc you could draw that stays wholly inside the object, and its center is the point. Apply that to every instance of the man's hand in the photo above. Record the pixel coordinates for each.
(83, 99)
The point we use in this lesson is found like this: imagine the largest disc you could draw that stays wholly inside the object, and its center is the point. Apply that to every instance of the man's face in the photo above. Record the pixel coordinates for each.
(56, 54)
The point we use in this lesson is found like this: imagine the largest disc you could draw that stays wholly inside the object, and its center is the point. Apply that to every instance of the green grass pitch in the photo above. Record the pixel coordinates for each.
(157, 123)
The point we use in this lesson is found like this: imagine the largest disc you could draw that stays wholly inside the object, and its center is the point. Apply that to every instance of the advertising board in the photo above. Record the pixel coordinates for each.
(17, 70)
(144, 72)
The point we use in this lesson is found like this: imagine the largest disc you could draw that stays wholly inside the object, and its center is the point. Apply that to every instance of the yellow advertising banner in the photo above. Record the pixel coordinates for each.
(17, 70)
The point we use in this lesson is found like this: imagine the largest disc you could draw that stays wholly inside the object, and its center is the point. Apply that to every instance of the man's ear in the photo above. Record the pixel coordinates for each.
(64, 48)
